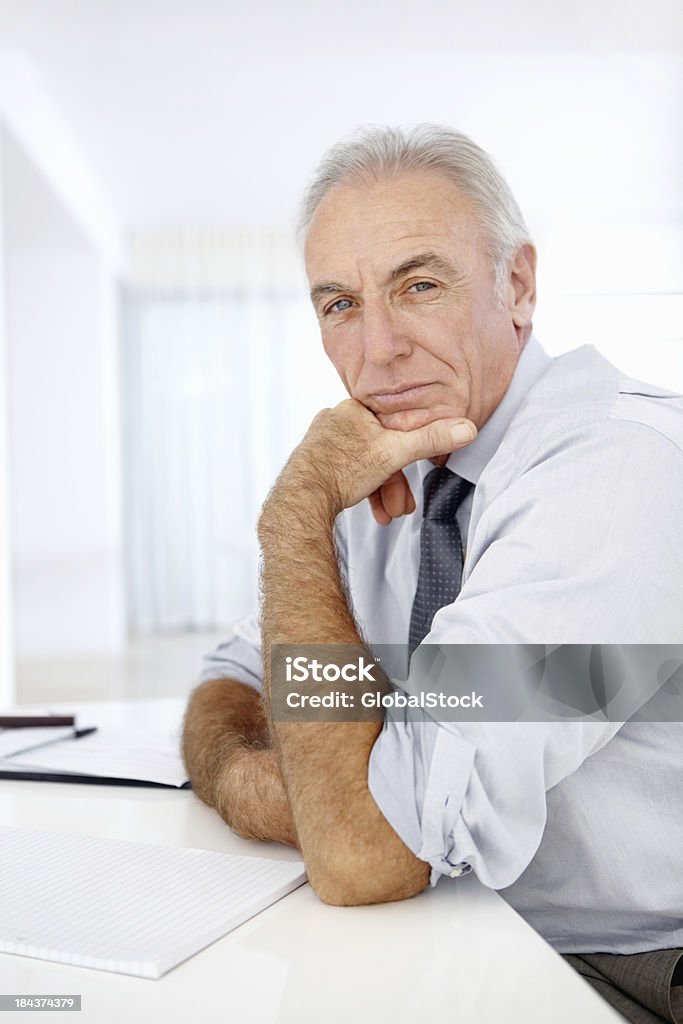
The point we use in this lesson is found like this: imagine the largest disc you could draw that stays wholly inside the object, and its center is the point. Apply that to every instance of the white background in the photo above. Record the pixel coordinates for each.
(157, 148)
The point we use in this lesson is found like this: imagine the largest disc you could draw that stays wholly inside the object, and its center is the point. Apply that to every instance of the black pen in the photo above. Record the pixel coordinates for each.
(75, 735)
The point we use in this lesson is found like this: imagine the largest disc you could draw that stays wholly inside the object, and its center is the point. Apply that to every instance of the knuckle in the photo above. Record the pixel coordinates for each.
(434, 438)
(322, 415)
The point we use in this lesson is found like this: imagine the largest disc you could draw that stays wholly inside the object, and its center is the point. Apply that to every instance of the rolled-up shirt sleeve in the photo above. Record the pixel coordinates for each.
(473, 796)
(565, 554)
(238, 657)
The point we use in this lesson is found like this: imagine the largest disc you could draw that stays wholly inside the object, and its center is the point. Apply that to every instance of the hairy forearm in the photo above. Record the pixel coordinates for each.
(226, 749)
(352, 854)
(303, 599)
(222, 716)
(251, 797)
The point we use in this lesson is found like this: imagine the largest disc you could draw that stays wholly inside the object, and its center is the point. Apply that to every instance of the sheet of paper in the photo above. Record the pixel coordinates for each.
(12, 740)
(109, 753)
(133, 908)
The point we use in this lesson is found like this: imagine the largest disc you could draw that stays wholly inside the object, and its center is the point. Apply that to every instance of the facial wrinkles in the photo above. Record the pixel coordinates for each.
(415, 360)
(363, 263)
(357, 240)
(363, 269)
(362, 224)
(367, 281)
(432, 326)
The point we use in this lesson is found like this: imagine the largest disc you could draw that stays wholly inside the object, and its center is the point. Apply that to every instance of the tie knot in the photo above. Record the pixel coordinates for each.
(443, 493)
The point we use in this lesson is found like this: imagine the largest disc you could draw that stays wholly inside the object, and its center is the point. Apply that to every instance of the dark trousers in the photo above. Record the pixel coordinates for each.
(646, 988)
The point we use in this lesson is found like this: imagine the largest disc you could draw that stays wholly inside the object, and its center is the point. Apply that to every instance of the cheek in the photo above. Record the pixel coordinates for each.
(443, 339)
(345, 356)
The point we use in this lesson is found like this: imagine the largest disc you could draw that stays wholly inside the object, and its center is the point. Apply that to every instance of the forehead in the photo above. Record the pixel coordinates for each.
(377, 224)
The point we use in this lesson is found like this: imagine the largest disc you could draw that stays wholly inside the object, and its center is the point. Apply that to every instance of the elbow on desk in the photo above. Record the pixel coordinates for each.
(345, 879)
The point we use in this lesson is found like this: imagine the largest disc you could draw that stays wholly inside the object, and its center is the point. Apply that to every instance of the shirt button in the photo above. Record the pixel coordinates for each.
(459, 869)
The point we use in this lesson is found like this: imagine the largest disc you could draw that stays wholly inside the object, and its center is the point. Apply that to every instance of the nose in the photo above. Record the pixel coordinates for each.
(383, 337)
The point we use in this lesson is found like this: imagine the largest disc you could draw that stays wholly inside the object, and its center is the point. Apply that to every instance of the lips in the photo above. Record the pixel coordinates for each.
(401, 398)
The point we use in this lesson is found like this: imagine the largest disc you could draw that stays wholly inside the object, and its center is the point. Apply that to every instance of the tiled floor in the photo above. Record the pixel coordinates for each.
(162, 666)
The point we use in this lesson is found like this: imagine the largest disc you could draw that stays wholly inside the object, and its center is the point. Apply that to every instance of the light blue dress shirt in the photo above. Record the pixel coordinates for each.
(573, 536)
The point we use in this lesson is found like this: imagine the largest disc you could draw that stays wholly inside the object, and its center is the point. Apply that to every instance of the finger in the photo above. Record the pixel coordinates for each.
(411, 503)
(393, 499)
(378, 509)
(396, 495)
(438, 438)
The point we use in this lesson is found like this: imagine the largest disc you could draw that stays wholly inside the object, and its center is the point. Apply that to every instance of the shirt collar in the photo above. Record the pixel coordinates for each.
(470, 462)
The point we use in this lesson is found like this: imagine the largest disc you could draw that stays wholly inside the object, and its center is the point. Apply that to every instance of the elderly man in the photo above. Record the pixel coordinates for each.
(511, 498)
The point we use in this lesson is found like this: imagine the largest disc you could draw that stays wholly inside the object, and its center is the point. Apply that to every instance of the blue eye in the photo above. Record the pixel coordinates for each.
(423, 286)
(340, 306)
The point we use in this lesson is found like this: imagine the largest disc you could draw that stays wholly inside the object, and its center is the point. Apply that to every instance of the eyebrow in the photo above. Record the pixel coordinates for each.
(423, 261)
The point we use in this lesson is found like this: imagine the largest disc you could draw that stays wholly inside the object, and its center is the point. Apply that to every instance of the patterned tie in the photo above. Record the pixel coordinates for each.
(441, 555)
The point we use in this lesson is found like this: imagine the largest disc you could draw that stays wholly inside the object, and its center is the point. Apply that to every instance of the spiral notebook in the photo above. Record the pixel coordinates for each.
(132, 908)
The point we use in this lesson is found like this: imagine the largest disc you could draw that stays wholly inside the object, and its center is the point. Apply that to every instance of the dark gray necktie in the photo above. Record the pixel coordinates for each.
(441, 557)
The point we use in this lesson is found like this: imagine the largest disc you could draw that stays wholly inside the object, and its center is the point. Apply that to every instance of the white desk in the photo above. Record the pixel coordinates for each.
(456, 953)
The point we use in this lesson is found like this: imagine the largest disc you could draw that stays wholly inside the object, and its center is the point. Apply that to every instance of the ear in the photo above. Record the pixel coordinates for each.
(521, 285)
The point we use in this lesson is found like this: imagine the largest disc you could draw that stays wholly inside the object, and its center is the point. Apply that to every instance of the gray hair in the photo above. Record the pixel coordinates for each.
(374, 152)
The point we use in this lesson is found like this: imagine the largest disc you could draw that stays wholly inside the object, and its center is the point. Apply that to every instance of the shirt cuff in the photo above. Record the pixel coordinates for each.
(418, 776)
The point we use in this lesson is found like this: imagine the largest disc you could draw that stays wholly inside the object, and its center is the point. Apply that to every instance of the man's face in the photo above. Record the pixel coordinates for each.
(405, 295)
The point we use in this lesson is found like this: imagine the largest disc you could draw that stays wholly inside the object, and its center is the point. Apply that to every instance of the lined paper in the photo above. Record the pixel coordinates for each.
(132, 908)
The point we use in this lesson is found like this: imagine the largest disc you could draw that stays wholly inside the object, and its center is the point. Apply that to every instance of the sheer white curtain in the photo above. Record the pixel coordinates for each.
(224, 370)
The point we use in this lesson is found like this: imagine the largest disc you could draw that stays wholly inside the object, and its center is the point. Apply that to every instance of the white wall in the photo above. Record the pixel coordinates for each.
(29, 112)
(63, 414)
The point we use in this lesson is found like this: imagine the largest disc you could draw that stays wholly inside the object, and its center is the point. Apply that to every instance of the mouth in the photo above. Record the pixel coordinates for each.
(401, 398)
